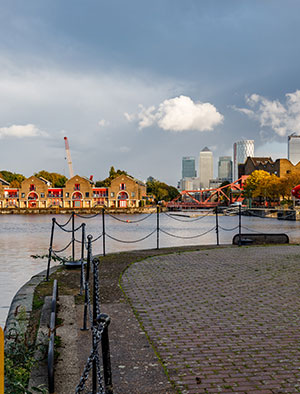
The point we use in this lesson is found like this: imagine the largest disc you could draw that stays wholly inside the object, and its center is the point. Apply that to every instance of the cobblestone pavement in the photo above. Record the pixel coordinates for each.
(223, 320)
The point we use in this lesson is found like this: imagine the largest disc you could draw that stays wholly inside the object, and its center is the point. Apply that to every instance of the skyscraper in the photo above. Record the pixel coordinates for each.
(188, 167)
(205, 167)
(225, 169)
(294, 148)
(241, 150)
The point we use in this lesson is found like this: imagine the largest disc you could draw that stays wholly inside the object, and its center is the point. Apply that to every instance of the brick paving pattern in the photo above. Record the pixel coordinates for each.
(223, 320)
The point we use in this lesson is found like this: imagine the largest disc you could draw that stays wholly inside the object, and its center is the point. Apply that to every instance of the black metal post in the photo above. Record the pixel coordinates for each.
(217, 226)
(50, 248)
(87, 278)
(82, 256)
(103, 231)
(94, 340)
(240, 225)
(105, 319)
(157, 227)
(73, 236)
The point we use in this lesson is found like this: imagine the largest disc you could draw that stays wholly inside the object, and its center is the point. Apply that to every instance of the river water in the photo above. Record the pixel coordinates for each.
(24, 235)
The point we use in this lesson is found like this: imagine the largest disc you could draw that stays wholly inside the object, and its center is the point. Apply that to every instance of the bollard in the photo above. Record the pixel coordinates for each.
(50, 249)
(103, 231)
(217, 226)
(157, 227)
(1, 361)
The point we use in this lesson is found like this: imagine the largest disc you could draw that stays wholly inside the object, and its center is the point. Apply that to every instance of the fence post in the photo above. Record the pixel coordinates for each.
(105, 319)
(103, 231)
(157, 227)
(50, 249)
(87, 278)
(73, 236)
(95, 301)
(1, 361)
(217, 226)
(240, 225)
(82, 257)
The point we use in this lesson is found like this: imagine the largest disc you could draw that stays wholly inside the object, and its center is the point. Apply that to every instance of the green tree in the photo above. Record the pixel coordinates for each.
(57, 180)
(10, 177)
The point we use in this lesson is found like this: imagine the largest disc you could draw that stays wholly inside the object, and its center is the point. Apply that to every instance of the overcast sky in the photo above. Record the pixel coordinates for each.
(138, 84)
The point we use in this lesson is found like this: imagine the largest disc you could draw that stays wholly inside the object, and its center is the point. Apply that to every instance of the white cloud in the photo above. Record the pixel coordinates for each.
(103, 123)
(21, 131)
(178, 114)
(281, 118)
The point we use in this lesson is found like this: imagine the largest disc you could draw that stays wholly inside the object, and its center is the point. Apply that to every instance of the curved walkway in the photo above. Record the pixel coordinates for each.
(223, 320)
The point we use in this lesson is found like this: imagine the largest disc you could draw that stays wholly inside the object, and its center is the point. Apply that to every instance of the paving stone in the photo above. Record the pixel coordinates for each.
(228, 317)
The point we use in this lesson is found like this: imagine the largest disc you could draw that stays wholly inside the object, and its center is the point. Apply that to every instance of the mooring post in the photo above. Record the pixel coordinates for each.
(157, 227)
(82, 256)
(73, 236)
(50, 249)
(87, 278)
(103, 231)
(240, 225)
(217, 226)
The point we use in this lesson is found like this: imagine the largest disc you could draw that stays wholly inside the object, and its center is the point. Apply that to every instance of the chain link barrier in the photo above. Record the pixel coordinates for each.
(228, 229)
(98, 326)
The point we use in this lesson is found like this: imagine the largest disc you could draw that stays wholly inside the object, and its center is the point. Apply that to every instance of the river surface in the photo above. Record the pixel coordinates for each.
(24, 235)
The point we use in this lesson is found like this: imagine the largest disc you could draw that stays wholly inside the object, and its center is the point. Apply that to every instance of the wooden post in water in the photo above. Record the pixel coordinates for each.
(1, 361)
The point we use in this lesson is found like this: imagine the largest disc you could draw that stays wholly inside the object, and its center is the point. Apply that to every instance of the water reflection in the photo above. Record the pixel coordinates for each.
(21, 236)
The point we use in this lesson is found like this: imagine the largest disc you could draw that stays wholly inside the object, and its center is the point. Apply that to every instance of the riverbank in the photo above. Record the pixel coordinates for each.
(142, 350)
(68, 211)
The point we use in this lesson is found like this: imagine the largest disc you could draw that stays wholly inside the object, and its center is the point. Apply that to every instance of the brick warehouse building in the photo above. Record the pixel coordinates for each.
(279, 167)
(79, 192)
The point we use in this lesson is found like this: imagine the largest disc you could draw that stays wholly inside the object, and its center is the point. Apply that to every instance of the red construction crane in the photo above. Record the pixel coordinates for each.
(69, 157)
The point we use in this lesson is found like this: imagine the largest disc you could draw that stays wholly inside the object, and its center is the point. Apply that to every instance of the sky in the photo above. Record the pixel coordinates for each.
(140, 84)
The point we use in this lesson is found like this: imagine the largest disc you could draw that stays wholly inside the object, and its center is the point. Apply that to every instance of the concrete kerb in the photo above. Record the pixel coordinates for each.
(24, 300)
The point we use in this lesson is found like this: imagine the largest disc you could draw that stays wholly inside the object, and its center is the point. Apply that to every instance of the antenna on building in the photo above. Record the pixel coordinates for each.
(69, 157)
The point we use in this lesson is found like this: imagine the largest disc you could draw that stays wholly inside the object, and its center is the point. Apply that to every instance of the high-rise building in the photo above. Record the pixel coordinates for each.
(241, 150)
(294, 148)
(188, 167)
(225, 169)
(205, 167)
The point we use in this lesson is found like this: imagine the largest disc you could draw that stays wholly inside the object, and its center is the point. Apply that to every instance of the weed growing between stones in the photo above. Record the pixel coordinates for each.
(19, 358)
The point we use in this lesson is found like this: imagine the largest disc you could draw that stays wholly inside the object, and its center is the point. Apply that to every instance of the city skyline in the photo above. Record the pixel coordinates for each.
(140, 85)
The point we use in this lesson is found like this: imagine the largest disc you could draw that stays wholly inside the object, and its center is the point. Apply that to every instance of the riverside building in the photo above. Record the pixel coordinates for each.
(79, 192)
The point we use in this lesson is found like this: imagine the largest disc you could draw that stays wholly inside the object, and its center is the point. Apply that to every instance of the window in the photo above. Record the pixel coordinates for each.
(77, 186)
(133, 194)
(67, 194)
(31, 187)
(87, 194)
(23, 195)
(122, 186)
(112, 194)
(42, 195)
